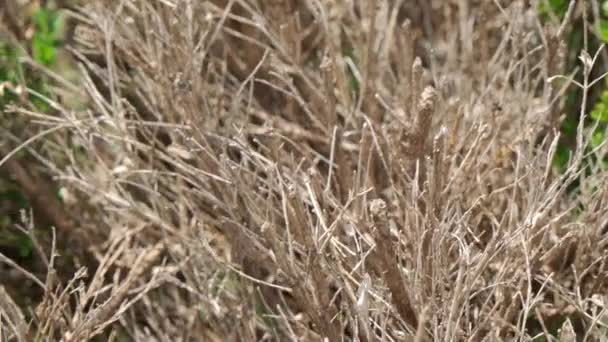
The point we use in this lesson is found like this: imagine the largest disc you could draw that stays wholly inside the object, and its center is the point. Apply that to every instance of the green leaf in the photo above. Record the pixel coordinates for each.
(600, 109)
(48, 24)
(600, 112)
(598, 138)
(43, 49)
(557, 7)
(602, 30)
(562, 156)
(47, 21)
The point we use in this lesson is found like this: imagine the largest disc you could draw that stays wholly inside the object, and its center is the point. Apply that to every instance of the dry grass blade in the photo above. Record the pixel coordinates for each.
(11, 315)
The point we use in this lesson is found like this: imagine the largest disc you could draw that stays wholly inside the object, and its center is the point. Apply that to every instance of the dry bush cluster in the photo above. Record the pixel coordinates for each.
(320, 170)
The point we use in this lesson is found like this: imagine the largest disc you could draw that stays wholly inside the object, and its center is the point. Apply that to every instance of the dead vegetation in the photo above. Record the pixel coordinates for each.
(318, 170)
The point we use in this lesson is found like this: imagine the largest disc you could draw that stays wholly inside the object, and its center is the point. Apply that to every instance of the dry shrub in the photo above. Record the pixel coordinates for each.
(325, 170)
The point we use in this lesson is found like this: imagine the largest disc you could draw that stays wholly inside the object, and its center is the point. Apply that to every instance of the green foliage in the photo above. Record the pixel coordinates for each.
(557, 8)
(49, 25)
(600, 110)
(10, 197)
(561, 158)
(602, 28)
(599, 113)
(14, 78)
(10, 73)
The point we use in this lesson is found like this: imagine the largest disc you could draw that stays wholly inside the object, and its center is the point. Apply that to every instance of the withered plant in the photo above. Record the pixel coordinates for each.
(321, 171)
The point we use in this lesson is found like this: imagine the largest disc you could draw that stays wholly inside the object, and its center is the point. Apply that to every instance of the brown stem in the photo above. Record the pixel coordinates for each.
(391, 274)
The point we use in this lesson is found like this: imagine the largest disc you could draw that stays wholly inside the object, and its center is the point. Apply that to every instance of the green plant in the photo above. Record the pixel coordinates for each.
(599, 112)
(49, 24)
(557, 8)
(48, 30)
(10, 73)
(14, 79)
